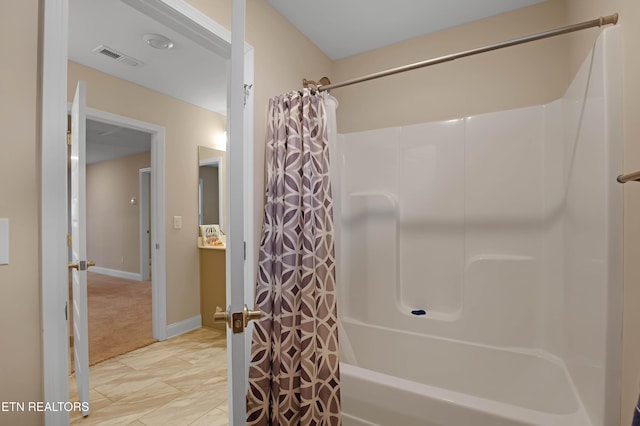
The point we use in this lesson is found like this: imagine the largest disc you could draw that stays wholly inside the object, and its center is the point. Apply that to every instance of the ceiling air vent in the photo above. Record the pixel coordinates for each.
(117, 56)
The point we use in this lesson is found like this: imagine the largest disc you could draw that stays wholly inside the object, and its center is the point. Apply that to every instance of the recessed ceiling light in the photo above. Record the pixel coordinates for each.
(158, 41)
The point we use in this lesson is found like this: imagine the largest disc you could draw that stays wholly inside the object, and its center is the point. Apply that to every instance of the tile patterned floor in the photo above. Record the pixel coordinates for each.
(181, 381)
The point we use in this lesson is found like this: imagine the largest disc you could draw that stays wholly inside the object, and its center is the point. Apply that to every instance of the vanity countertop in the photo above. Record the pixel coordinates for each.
(223, 239)
(222, 247)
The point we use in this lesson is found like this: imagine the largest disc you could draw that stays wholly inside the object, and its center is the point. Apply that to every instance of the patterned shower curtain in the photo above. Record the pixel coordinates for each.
(294, 376)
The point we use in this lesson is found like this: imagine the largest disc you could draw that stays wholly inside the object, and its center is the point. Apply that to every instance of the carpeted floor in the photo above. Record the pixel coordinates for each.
(119, 316)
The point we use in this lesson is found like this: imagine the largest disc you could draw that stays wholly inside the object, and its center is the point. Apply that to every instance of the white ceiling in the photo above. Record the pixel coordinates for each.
(107, 142)
(188, 71)
(342, 28)
(192, 72)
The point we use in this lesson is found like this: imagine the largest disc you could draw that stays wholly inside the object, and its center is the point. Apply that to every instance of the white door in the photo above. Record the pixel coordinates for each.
(79, 262)
(238, 142)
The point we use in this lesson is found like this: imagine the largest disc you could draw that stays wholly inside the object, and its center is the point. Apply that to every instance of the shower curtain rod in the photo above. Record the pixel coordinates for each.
(631, 177)
(603, 20)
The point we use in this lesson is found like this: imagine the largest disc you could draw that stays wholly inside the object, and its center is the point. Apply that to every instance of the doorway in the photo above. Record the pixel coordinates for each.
(152, 208)
(53, 153)
(113, 179)
(119, 285)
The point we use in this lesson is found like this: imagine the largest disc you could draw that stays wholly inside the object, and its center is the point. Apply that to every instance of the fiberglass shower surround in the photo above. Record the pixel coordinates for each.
(506, 229)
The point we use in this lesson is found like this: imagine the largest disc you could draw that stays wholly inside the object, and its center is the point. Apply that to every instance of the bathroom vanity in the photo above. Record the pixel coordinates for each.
(212, 283)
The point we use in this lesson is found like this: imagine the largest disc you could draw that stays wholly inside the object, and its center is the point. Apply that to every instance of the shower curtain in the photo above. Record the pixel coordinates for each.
(294, 374)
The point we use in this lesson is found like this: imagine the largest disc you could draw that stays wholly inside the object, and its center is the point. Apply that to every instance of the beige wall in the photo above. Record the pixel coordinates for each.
(20, 359)
(186, 127)
(113, 223)
(533, 75)
(522, 75)
(629, 10)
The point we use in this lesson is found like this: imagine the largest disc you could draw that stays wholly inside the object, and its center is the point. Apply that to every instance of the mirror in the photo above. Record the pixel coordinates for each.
(212, 196)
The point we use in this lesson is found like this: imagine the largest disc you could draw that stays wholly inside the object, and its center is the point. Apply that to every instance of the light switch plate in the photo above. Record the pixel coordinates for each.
(4, 241)
(177, 222)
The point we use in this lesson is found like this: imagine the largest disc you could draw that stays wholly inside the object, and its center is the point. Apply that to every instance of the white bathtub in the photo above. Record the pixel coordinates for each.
(505, 228)
(410, 379)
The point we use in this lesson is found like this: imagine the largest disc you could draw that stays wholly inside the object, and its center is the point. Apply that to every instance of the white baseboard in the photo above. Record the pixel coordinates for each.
(136, 276)
(184, 326)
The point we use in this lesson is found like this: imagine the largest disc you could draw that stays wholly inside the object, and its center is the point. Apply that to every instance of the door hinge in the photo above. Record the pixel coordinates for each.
(66, 311)
(69, 137)
(245, 249)
(68, 240)
(247, 92)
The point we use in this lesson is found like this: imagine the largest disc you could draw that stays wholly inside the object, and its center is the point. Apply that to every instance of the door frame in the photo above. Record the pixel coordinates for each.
(144, 191)
(158, 207)
(53, 177)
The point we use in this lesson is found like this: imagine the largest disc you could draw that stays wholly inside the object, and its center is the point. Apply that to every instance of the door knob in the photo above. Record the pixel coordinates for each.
(237, 321)
(251, 314)
(222, 316)
(82, 265)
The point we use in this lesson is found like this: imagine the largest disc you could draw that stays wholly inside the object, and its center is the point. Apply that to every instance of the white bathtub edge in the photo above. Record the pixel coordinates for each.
(444, 396)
